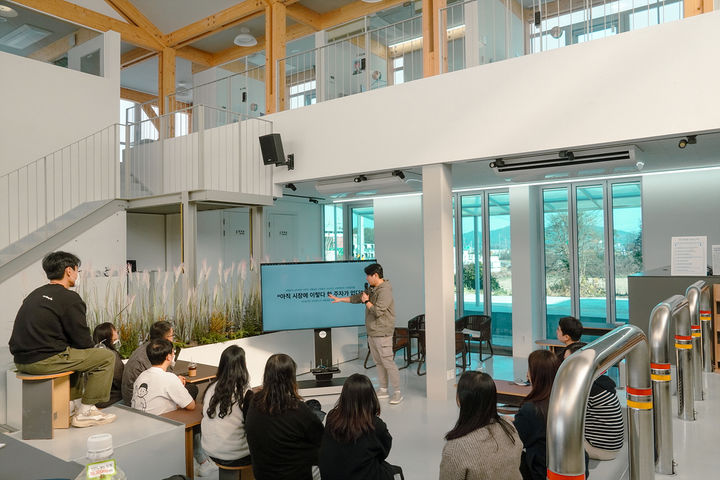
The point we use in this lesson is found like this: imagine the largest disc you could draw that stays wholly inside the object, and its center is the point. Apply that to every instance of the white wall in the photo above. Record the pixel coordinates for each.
(146, 240)
(399, 249)
(630, 91)
(306, 242)
(678, 204)
(49, 107)
(101, 246)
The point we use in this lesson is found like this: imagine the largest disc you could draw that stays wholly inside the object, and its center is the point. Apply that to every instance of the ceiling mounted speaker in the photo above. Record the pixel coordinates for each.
(244, 39)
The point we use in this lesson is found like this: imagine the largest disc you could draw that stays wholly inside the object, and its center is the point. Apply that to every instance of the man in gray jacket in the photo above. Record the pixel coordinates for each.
(380, 326)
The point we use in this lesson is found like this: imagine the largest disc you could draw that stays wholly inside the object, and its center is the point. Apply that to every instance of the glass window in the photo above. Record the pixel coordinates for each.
(398, 71)
(500, 267)
(333, 219)
(627, 241)
(363, 233)
(472, 254)
(557, 257)
(592, 274)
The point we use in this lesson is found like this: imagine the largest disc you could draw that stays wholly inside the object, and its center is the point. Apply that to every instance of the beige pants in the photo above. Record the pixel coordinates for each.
(598, 453)
(382, 353)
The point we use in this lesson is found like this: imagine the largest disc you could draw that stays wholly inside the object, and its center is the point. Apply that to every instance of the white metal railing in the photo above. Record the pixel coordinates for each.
(197, 148)
(374, 59)
(36, 194)
(486, 31)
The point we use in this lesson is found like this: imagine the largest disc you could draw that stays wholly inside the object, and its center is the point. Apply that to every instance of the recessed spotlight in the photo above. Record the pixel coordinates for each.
(690, 140)
(7, 12)
(244, 39)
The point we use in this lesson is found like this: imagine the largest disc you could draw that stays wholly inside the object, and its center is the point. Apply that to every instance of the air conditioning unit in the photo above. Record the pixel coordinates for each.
(569, 163)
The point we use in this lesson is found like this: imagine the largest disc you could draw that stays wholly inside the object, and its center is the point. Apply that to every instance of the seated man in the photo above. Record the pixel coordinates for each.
(569, 331)
(156, 390)
(139, 362)
(51, 335)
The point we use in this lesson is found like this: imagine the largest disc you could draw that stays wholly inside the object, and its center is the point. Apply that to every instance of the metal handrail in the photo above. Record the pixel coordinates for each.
(570, 393)
(698, 295)
(675, 310)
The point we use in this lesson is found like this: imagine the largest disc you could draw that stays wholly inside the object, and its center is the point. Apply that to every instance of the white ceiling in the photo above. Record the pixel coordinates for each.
(58, 28)
(99, 6)
(171, 15)
(144, 75)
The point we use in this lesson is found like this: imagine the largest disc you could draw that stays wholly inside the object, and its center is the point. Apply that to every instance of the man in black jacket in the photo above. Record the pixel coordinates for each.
(51, 335)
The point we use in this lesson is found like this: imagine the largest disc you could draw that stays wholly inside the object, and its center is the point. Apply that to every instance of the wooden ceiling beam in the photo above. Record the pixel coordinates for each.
(130, 13)
(137, 96)
(60, 47)
(91, 19)
(195, 55)
(353, 11)
(214, 23)
(306, 16)
(293, 32)
(135, 56)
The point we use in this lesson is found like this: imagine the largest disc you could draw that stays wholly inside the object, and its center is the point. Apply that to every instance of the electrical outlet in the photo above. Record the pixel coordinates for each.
(451, 374)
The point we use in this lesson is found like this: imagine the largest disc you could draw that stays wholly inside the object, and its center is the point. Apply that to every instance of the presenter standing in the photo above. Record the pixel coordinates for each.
(380, 326)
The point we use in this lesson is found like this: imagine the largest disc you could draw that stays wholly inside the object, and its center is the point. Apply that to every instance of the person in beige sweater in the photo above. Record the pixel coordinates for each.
(481, 446)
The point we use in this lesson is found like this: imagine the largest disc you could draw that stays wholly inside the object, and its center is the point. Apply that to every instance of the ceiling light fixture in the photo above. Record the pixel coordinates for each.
(7, 12)
(245, 39)
(690, 140)
(372, 1)
(291, 186)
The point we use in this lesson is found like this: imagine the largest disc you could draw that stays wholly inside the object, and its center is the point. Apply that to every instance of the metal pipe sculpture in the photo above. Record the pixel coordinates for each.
(694, 295)
(566, 413)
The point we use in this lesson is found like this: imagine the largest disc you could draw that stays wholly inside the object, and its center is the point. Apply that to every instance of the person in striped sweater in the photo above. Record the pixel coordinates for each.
(604, 424)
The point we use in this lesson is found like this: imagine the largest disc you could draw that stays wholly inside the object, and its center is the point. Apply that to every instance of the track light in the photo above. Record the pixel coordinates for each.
(566, 155)
(360, 178)
(399, 174)
(690, 140)
(312, 200)
(499, 163)
(291, 186)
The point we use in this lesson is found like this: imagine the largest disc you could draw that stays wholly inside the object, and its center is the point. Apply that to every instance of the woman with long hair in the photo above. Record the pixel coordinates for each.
(482, 445)
(106, 335)
(283, 432)
(531, 420)
(223, 423)
(356, 441)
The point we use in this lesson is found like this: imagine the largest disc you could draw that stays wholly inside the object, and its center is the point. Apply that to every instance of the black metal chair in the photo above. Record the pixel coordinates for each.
(478, 328)
(401, 341)
(416, 327)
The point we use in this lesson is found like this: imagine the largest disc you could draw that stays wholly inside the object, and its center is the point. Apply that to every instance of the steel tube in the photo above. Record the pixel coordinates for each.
(693, 294)
(566, 413)
(706, 325)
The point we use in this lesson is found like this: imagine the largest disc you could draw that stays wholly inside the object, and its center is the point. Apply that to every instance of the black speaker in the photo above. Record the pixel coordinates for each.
(272, 149)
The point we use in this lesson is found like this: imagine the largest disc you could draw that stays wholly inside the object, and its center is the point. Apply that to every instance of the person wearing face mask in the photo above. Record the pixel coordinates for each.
(106, 336)
(51, 335)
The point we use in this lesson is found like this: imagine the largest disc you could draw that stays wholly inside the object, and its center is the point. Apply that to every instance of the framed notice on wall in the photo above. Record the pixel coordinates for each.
(689, 256)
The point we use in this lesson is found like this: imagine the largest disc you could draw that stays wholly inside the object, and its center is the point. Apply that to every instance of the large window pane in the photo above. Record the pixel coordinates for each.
(500, 268)
(363, 233)
(557, 257)
(591, 267)
(333, 215)
(472, 254)
(627, 241)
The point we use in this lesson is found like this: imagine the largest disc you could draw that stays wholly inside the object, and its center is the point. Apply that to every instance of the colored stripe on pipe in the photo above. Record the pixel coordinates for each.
(705, 312)
(660, 366)
(683, 337)
(660, 378)
(639, 391)
(683, 347)
(640, 405)
(559, 476)
(697, 335)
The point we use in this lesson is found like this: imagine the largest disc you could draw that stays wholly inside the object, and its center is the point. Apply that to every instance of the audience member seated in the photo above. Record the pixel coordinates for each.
(282, 431)
(138, 362)
(356, 441)
(223, 423)
(482, 445)
(106, 336)
(158, 391)
(569, 331)
(604, 424)
(531, 419)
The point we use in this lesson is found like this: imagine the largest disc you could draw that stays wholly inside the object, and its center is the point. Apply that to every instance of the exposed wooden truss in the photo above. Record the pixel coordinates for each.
(61, 46)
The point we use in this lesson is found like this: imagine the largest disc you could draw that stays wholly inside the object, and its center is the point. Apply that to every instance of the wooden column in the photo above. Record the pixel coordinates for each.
(432, 35)
(166, 78)
(275, 39)
(696, 7)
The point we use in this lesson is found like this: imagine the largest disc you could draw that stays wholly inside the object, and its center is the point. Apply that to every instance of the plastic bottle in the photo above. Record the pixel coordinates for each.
(99, 452)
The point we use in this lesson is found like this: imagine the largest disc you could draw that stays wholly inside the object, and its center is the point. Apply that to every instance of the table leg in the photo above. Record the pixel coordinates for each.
(189, 467)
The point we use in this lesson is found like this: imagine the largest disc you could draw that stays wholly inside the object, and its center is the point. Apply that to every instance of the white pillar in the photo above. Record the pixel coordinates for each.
(527, 281)
(189, 238)
(439, 294)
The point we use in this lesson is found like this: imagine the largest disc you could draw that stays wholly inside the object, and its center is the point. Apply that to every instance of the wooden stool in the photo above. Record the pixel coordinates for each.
(235, 473)
(45, 404)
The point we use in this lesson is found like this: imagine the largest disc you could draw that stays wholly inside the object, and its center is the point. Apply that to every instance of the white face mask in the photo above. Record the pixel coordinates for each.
(117, 343)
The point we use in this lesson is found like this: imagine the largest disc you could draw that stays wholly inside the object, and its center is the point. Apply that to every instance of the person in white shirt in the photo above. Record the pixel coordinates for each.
(156, 390)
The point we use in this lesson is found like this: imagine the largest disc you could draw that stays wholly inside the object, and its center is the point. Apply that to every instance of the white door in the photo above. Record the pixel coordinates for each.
(282, 237)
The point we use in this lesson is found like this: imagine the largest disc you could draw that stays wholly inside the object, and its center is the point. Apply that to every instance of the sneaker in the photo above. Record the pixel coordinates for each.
(205, 469)
(382, 393)
(92, 417)
(396, 398)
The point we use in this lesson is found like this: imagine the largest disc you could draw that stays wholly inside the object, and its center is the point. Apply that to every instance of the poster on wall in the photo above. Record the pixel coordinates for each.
(688, 256)
(716, 259)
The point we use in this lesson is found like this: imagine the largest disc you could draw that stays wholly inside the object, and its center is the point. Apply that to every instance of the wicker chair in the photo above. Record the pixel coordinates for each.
(478, 328)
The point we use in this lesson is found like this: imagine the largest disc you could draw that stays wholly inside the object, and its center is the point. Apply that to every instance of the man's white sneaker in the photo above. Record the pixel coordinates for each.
(382, 393)
(205, 469)
(396, 398)
(92, 417)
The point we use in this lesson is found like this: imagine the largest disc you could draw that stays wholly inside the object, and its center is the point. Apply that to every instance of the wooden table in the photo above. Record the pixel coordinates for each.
(511, 393)
(205, 373)
(191, 419)
(552, 344)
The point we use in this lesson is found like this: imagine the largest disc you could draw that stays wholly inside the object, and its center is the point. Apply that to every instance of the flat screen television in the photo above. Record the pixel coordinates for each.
(295, 295)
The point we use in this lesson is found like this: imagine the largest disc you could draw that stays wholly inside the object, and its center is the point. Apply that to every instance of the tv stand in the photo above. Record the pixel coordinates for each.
(324, 383)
